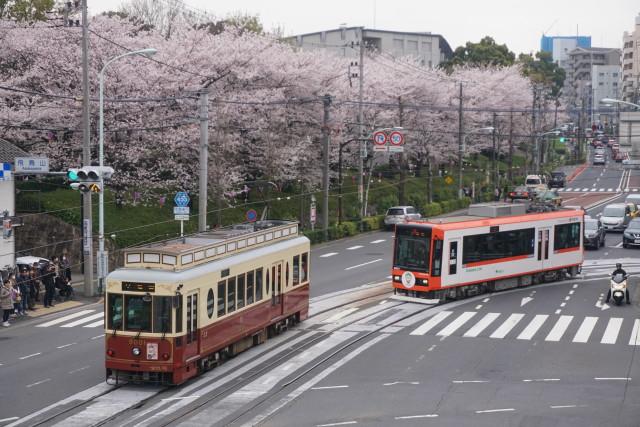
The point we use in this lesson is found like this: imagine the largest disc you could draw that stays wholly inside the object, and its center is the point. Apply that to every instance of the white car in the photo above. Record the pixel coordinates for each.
(400, 214)
(599, 150)
(26, 262)
(598, 159)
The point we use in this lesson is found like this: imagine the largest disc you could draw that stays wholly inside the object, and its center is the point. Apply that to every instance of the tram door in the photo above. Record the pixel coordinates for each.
(277, 299)
(192, 337)
(543, 245)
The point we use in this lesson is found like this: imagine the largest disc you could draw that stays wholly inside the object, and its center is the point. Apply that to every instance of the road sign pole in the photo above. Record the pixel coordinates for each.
(181, 228)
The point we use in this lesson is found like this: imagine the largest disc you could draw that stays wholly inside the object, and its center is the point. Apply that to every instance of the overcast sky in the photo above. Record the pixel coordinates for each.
(518, 23)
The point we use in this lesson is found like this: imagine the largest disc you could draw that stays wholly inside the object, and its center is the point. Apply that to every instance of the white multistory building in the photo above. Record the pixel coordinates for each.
(631, 64)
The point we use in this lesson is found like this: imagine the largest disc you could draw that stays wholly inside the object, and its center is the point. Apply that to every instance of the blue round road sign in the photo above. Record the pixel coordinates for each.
(252, 215)
(181, 199)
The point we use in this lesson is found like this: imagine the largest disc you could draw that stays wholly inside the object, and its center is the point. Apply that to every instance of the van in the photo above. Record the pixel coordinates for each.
(633, 198)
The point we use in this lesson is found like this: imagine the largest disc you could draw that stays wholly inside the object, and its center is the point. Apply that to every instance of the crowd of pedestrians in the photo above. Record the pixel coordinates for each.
(20, 292)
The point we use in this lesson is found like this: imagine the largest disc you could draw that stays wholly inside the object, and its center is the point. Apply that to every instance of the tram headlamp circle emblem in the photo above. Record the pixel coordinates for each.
(408, 279)
(136, 351)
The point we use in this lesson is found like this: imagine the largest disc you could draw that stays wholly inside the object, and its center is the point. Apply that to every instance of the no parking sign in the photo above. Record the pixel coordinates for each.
(380, 141)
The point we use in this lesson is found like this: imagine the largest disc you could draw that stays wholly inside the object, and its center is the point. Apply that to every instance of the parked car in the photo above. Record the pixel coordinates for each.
(616, 216)
(24, 263)
(598, 159)
(594, 233)
(521, 192)
(631, 236)
(400, 214)
(557, 180)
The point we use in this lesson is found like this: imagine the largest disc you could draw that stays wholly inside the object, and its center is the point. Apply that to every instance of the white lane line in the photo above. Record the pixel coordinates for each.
(567, 298)
(562, 406)
(541, 380)
(95, 324)
(610, 335)
(486, 300)
(8, 419)
(571, 292)
(361, 265)
(85, 320)
(612, 379)
(352, 248)
(378, 241)
(575, 285)
(327, 255)
(31, 355)
(619, 245)
(585, 329)
(39, 382)
(79, 369)
(64, 319)
(341, 314)
(384, 301)
(180, 398)
(329, 387)
(456, 324)
(411, 417)
(97, 336)
(488, 411)
(344, 423)
(67, 345)
(478, 307)
(635, 335)
(563, 304)
(401, 382)
(533, 327)
(507, 326)
(431, 323)
(609, 189)
(559, 328)
(469, 381)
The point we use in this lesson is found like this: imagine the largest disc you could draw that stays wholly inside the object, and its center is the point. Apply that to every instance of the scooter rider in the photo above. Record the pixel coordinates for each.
(619, 270)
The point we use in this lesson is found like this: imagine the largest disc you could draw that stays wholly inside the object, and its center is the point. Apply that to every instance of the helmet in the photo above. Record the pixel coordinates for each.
(618, 265)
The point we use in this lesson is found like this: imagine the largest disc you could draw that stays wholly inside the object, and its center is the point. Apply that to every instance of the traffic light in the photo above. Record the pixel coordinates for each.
(562, 139)
(89, 178)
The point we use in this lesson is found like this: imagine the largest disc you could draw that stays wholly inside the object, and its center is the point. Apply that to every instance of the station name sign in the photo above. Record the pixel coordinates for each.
(138, 287)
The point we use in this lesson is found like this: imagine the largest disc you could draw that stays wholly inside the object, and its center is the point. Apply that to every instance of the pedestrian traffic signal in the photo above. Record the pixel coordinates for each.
(89, 178)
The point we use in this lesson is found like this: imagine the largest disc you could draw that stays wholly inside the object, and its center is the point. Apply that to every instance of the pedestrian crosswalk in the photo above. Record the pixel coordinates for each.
(83, 318)
(525, 327)
(597, 190)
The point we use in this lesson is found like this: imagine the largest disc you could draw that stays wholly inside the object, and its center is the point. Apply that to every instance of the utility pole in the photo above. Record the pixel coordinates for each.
(534, 145)
(403, 169)
(363, 143)
(87, 227)
(204, 160)
(494, 157)
(326, 102)
(460, 144)
(510, 170)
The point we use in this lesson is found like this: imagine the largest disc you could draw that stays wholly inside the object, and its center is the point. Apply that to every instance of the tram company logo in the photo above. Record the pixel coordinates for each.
(408, 279)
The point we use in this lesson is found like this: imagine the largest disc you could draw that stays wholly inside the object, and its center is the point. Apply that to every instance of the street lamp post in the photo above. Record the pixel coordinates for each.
(144, 52)
(461, 149)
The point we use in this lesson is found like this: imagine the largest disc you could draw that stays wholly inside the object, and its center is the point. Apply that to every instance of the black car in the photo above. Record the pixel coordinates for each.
(594, 233)
(557, 179)
(631, 236)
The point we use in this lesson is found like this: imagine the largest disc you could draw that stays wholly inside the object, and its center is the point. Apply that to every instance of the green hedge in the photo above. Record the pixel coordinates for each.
(346, 229)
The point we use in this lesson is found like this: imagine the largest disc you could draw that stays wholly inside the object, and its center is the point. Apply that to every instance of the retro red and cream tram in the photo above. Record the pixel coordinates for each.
(488, 250)
(178, 307)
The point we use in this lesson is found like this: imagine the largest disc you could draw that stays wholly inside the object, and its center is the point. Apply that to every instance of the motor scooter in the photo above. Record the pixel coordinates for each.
(618, 288)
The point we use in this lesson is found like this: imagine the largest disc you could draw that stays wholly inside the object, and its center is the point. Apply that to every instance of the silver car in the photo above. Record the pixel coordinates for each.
(615, 216)
(400, 214)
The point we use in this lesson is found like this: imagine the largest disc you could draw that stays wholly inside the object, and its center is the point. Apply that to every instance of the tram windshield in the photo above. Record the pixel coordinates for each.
(139, 313)
(412, 248)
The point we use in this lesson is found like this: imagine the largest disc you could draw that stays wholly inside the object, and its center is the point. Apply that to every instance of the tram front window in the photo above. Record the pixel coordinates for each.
(137, 313)
(114, 308)
(162, 314)
(412, 248)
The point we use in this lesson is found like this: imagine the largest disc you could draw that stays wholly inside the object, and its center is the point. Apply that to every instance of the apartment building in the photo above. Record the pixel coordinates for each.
(631, 64)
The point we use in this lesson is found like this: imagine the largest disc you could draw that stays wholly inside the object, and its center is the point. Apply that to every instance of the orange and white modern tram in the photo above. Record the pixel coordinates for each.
(178, 307)
(481, 252)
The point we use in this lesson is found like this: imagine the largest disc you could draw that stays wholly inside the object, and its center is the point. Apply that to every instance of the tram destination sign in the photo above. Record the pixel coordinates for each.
(138, 287)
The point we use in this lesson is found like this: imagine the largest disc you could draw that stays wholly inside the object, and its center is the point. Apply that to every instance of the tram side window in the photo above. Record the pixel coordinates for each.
(114, 309)
(436, 260)
(250, 296)
(137, 313)
(241, 290)
(566, 236)
(231, 295)
(296, 270)
(222, 298)
(303, 269)
(259, 284)
(161, 314)
(179, 317)
(493, 246)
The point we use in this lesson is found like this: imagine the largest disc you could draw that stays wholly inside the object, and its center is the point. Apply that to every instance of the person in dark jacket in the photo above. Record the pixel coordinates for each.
(23, 285)
(48, 278)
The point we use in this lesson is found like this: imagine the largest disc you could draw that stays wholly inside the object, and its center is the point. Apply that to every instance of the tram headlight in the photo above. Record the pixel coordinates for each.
(136, 351)
(165, 356)
(396, 278)
(111, 353)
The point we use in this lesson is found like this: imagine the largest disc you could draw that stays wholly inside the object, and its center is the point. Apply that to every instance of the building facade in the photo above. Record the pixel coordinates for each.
(631, 64)
(560, 46)
(605, 83)
(429, 49)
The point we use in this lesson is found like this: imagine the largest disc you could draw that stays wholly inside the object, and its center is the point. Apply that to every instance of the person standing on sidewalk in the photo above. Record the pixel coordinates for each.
(65, 264)
(49, 285)
(23, 285)
(6, 303)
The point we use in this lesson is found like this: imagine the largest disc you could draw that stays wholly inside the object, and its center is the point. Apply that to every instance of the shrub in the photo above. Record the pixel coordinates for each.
(315, 236)
(386, 201)
(446, 206)
(432, 209)
(349, 228)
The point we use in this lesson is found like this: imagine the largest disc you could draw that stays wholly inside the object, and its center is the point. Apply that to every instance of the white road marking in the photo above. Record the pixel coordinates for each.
(533, 327)
(384, 301)
(95, 324)
(567, 298)
(64, 319)
(612, 379)
(585, 189)
(488, 411)
(31, 355)
(559, 328)
(431, 323)
(611, 333)
(432, 347)
(562, 406)
(456, 324)
(345, 423)
(609, 189)
(558, 311)
(85, 320)
(541, 380)
(79, 369)
(180, 398)
(485, 300)
(329, 387)
(525, 300)
(478, 307)
(401, 382)
(410, 417)
(635, 334)
(506, 327)
(8, 419)
(39, 382)
(97, 336)
(366, 263)
(377, 241)
(571, 292)
(469, 381)
(340, 315)
(563, 304)
(67, 345)
(327, 255)
(619, 245)
(585, 329)
(352, 248)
